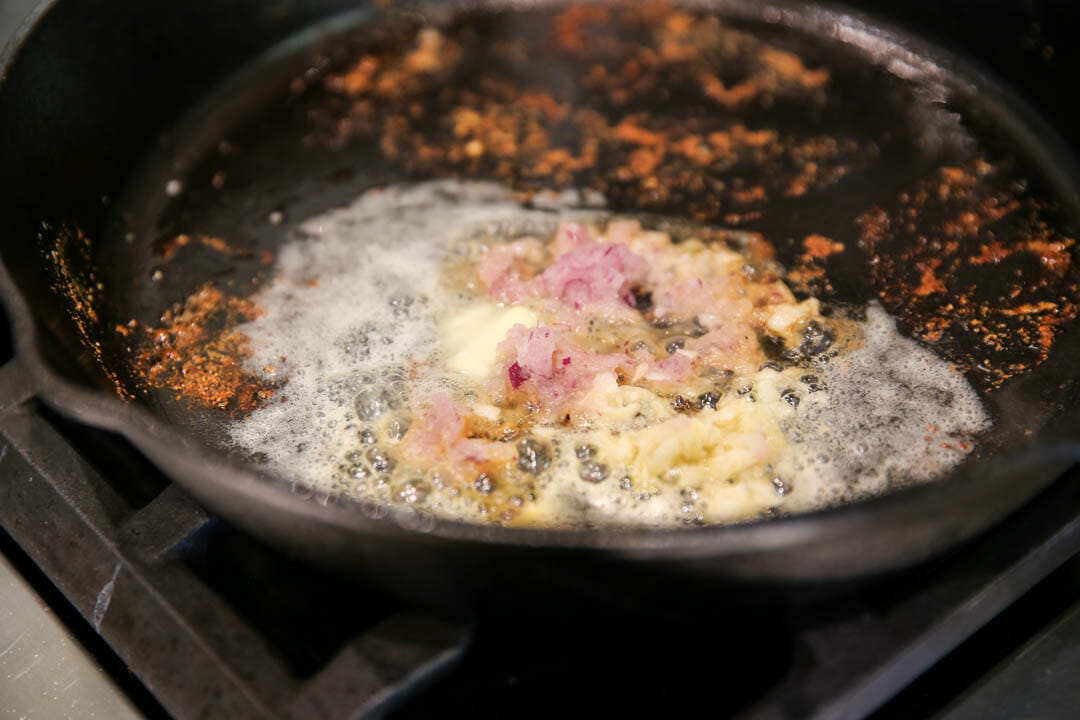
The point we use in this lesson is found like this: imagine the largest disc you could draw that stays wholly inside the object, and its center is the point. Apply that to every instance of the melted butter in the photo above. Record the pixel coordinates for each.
(470, 335)
(884, 412)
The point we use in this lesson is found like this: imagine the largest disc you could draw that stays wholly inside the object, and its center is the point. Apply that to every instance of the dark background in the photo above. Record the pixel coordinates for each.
(1029, 44)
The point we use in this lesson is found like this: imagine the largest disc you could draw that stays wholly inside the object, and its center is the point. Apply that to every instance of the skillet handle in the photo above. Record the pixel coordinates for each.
(24, 376)
(17, 385)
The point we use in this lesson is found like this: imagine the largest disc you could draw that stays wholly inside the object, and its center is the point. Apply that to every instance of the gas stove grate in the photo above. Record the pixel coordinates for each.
(215, 624)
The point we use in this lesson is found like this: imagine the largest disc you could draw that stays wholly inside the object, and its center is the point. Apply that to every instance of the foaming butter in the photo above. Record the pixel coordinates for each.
(490, 363)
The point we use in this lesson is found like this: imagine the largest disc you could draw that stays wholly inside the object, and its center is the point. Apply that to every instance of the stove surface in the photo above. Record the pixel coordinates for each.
(44, 670)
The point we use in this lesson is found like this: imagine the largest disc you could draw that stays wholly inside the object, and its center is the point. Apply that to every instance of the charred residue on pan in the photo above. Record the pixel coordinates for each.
(968, 262)
(192, 351)
(676, 112)
(68, 253)
(671, 110)
(196, 353)
(808, 273)
(171, 245)
(600, 113)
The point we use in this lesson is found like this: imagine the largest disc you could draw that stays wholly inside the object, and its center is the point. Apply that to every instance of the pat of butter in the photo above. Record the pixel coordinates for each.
(471, 336)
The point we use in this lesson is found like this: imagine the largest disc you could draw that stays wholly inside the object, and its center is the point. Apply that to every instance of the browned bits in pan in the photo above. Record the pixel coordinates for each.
(658, 109)
(449, 104)
(75, 281)
(168, 249)
(820, 247)
(197, 354)
(809, 275)
(991, 280)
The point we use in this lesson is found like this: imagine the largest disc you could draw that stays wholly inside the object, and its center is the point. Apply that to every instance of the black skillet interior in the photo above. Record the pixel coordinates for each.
(878, 133)
(904, 130)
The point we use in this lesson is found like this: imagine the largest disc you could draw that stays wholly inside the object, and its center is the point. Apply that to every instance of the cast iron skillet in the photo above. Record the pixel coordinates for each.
(100, 103)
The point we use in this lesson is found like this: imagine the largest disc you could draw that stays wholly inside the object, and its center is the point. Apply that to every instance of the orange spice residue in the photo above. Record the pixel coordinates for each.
(195, 352)
(75, 281)
(805, 278)
(819, 246)
(431, 119)
(729, 97)
(198, 355)
(808, 274)
(629, 131)
(570, 25)
(928, 282)
(790, 67)
(1046, 333)
(992, 252)
(1054, 255)
(749, 195)
(1030, 308)
(953, 261)
(170, 247)
(970, 222)
(643, 161)
(873, 224)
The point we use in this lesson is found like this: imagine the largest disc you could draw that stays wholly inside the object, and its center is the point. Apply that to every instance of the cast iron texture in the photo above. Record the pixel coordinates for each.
(76, 120)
